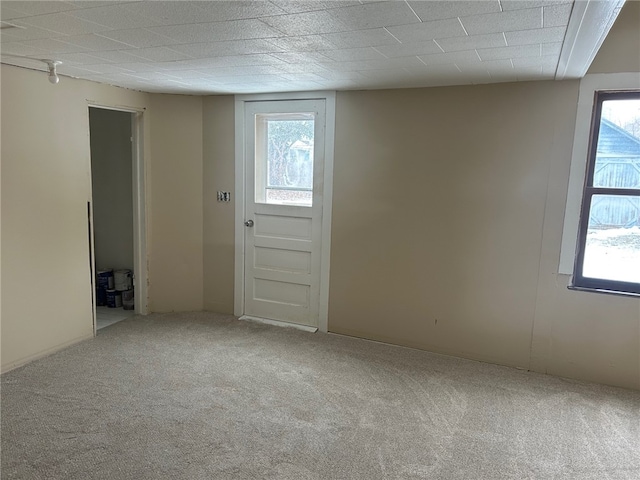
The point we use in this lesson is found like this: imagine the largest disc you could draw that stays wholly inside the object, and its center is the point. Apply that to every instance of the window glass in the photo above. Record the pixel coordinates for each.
(608, 255)
(618, 150)
(289, 142)
(612, 250)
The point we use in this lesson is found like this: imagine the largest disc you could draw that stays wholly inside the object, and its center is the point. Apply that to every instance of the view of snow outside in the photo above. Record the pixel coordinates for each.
(290, 161)
(612, 251)
(613, 254)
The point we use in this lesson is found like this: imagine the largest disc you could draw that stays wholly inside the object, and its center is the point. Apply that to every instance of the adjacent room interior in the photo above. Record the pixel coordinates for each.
(447, 204)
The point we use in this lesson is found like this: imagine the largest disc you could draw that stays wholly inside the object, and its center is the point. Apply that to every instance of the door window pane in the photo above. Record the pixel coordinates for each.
(284, 159)
(612, 250)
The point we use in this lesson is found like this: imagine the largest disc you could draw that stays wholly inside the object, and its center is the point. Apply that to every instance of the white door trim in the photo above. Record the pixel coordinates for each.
(139, 207)
(330, 105)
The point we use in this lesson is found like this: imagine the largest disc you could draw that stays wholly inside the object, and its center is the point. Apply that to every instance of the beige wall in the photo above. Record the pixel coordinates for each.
(175, 197)
(45, 190)
(112, 188)
(447, 221)
(621, 50)
(218, 217)
(448, 206)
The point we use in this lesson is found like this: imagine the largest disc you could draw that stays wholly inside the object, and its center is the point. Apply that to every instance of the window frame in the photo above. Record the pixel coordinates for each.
(579, 281)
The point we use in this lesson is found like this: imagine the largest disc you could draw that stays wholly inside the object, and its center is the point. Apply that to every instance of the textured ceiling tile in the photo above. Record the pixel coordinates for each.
(535, 61)
(187, 75)
(284, 45)
(429, 30)
(353, 54)
(239, 60)
(467, 56)
(361, 38)
(409, 49)
(78, 59)
(334, 75)
(153, 76)
(168, 12)
(374, 15)
(65, 24)
(40, 7)
(503, 22)
(538, 35)
(130, 67)
(469, 43)
(303, 77)
(250, 79)
(76, 71)
(306, 43)
(306, 23)
(439, 10)
(219, 31)
(25, 32)
(232, 47)
(53, 46)
(90, 3)
(115, 56)
(383, 64)
(439, 69)
(297, 6)
(489, 66)
(557, 15)
(139, 37)
(307, 57)
(158, 54)
(551, 49)
(95, 42)
(242, 70)
(509, 52)
(524, 4)
(237, 10)
(114, 16)
(304, 68)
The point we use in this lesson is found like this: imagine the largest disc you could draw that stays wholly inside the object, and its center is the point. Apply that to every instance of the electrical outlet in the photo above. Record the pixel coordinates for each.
(224, 196)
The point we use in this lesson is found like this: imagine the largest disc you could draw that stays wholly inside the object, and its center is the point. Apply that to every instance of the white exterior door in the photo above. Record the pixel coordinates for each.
(284, 171)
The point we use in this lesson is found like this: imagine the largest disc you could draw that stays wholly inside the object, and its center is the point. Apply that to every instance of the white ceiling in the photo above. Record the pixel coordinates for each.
(210, 47)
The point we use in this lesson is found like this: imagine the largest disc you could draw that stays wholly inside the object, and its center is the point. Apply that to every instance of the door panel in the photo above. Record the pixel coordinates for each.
(277, 226)
(282, 260)
(284, 159)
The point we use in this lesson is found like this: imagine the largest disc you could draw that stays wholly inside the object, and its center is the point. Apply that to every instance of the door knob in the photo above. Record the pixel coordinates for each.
(249, 223)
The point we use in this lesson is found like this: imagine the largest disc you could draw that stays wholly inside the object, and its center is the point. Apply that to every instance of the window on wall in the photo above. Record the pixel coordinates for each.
(608, 249)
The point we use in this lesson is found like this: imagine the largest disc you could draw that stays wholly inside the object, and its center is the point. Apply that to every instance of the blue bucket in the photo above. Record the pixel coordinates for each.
(104, 282)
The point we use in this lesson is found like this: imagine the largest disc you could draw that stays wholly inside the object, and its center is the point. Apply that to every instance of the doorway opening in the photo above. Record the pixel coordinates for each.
(115, 214)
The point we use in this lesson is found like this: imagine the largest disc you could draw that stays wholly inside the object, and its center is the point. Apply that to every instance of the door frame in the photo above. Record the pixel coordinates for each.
(140, 259)
(325, 253)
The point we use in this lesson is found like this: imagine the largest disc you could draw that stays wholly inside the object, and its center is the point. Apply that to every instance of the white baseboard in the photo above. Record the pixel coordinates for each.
(36, 356)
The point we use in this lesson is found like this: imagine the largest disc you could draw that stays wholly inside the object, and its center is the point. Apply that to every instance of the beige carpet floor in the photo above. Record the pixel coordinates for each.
(205, 396)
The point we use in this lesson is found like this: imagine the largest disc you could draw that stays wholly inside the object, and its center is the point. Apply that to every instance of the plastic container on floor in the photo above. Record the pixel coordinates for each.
(114, 299)
(127, 299)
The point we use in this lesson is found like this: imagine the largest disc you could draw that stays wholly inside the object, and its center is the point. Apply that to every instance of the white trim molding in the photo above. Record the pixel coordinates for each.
(140, 259)
(589, 24)
(330, 109)
(588, 86)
